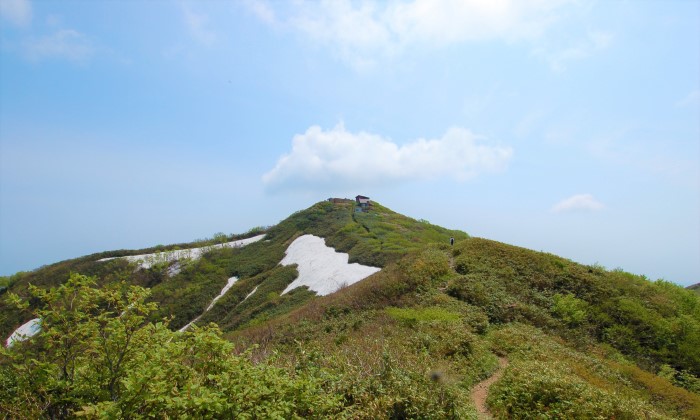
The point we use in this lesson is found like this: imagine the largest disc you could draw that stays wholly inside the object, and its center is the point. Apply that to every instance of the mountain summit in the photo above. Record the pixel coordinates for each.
(377, 314)
(316, 251)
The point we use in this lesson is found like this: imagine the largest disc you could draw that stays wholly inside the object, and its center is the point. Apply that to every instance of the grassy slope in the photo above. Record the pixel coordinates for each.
(412, 339)
(179, 296)
(373, 238)
(695, 288)
(415, 337)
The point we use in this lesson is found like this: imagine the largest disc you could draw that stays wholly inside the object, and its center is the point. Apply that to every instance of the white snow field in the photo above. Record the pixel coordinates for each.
(322, 269)
(24, 332)
(148, 260)
(229, 283)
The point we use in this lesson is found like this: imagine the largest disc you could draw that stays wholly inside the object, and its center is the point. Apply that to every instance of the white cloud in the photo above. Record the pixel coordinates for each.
(359, 31)
(197, 24)
(339, 158)
(18, 12)
(593, 42)
(578, 202)
(65, 44)
(442, 22)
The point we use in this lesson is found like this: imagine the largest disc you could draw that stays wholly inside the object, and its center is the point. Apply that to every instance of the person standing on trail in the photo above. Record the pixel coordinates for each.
(452, 241)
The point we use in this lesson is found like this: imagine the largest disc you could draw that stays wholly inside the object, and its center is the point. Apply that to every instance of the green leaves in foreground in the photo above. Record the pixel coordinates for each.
(96, 357)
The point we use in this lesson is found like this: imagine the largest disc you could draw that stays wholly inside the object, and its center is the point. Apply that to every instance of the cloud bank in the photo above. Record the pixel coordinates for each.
(584, 202)
(332, 158)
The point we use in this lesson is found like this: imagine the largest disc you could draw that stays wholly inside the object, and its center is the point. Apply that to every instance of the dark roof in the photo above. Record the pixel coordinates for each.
(361, 196)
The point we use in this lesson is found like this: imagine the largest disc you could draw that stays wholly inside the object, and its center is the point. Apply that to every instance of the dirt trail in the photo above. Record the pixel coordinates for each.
(480, 392)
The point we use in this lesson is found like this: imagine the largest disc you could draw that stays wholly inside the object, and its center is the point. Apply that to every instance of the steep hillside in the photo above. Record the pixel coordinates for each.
(409, 341)
(184, 288)
(581, 341)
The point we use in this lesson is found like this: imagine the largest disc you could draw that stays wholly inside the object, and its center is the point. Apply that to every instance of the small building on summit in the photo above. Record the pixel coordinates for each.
(362, 203)
(361, 199)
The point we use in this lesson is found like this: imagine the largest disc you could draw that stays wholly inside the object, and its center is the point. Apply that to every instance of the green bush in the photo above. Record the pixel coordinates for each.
(571, 310)
(551, 390)
(97, 357)
(426, 267)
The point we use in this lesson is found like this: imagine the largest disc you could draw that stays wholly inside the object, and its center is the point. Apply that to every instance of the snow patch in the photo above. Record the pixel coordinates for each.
(321, 268)
(28, 330)
(189, 324)
(229, 283)
(250, 294)
(146, 261)
(174, 269)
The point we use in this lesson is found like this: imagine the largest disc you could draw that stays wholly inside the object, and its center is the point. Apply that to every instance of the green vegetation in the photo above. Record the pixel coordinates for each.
(95, 357)
(411, 316)
(411, 341)
(375, 238)
(695, 288)
(547, 315)
(654, 323)
(553, 378)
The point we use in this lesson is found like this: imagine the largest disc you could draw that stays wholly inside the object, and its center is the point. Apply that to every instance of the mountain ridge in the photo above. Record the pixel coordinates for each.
(367, 238)
(414, 337)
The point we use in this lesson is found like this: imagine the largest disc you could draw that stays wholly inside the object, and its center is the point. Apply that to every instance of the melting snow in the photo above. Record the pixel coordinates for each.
(322, 269)
(174, 269)
(250, 294)
(148, 260)
(27, 330)
(229, 283)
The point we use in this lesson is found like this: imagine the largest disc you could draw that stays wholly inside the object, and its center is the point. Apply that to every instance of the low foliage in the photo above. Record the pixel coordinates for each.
(655, 323)
(412, 316)
(96, 357)
(553, 390)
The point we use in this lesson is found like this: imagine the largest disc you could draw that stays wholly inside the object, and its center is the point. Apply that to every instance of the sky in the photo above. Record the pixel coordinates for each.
(565, 126)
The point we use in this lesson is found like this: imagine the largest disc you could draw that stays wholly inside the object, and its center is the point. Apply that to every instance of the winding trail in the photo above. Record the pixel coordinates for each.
(480, 392)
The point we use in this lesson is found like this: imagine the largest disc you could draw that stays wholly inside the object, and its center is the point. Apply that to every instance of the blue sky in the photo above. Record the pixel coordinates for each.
(571, 127)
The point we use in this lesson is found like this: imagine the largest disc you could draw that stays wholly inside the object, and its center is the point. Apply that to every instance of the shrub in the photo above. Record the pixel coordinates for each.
(571, 310)
(426, 267)
(553, 391)
(96, 357)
